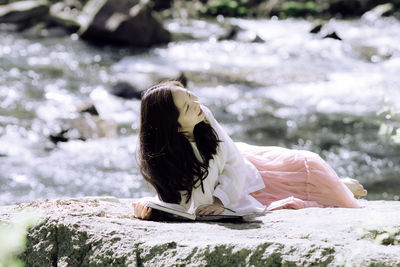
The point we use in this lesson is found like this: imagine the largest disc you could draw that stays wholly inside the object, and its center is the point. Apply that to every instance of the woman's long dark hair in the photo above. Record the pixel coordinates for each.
(166, 157)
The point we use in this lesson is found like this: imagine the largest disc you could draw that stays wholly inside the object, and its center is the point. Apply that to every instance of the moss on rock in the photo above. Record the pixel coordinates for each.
(69, 235)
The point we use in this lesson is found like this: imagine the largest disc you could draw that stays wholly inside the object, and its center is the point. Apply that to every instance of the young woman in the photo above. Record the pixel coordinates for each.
(190, 160)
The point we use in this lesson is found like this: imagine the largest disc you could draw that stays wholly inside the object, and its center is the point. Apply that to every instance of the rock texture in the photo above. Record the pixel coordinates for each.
(22, 11)
(102, 232)
(121, 22)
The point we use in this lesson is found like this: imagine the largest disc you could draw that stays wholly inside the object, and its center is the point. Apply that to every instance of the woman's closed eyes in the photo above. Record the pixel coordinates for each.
(192, 98)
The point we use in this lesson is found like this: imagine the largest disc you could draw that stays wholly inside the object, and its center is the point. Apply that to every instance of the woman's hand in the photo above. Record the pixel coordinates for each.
(212, 209)
(141, 211)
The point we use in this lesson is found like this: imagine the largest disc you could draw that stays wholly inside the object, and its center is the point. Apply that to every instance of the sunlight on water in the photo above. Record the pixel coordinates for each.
(294, 89)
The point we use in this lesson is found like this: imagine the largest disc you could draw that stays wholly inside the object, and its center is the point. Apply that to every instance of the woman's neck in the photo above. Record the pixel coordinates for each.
(189, 136)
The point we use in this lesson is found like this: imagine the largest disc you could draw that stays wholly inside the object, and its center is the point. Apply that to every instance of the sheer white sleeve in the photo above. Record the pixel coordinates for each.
(231, 181)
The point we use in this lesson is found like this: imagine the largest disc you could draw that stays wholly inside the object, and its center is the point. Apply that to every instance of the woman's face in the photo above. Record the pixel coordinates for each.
(190, 112)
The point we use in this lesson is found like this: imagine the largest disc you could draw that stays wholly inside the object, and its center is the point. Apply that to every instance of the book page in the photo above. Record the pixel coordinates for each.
(228, 212)
(168, 205)
(178, 207)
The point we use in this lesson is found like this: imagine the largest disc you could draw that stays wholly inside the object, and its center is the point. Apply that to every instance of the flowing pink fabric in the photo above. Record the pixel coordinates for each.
(296, 179)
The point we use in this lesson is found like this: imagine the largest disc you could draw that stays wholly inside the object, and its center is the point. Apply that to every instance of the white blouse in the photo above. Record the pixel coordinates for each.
(231, 177)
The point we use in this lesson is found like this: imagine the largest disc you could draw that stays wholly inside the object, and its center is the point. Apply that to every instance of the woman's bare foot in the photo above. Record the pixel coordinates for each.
(355, 187)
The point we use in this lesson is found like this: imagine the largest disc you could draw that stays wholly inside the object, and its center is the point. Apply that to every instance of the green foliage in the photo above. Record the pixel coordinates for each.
(298, 9)
(230, 8)
(383, 235)
(13, 238)
(390, 123)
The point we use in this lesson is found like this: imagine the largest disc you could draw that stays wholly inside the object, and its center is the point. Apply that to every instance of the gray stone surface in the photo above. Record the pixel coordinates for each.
(102, 232)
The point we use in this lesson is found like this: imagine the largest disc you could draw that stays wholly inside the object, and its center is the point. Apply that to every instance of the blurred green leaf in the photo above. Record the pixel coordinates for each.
(13, 237)
(389, 122)
(386, 130)
(230, 8)
(396, 137)
(298, 9)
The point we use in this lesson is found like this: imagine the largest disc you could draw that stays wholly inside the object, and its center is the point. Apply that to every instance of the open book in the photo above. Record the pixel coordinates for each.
(167, 211)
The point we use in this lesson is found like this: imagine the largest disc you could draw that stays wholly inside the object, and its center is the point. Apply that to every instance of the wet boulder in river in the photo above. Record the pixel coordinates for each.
(372, 54)
(85, 124)
(23, 11)
(125, 90)
(239, 34)
(378, 11)
(317, 28)
(121, 22)
(65, 14)
(332, 35)
(161, 4)
(324, 30)
(88, 108)
(231, 33)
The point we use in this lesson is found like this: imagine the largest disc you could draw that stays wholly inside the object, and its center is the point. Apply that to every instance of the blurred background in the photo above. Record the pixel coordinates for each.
(317, 75)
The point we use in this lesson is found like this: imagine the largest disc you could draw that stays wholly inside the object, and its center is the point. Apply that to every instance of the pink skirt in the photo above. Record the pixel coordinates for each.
(296, 179)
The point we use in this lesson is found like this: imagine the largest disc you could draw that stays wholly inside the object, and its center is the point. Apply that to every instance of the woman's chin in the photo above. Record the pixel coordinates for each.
(200, 120)
(202, 117)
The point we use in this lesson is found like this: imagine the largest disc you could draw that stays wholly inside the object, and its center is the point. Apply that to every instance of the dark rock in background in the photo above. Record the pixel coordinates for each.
(236, 33)
(86, 125)
(231, 33)
(333, 35)
(161, 4)
(23, 11)
(126, 90)
(88, 108)
(324, 30)
(66, 15)
(379, 11)
(317, 28)
(283, 8)
(60, 137)
(346, 7)
(133, 22)
(121, 22)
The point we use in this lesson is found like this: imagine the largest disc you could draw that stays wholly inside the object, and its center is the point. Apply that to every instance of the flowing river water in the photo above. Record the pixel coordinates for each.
(295, 90)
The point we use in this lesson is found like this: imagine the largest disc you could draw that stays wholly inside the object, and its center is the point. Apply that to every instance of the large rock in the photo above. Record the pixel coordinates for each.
(22, 11)
(66, 15)
(102, 232)
(121, 22)
(378, 12)
(162, 4)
